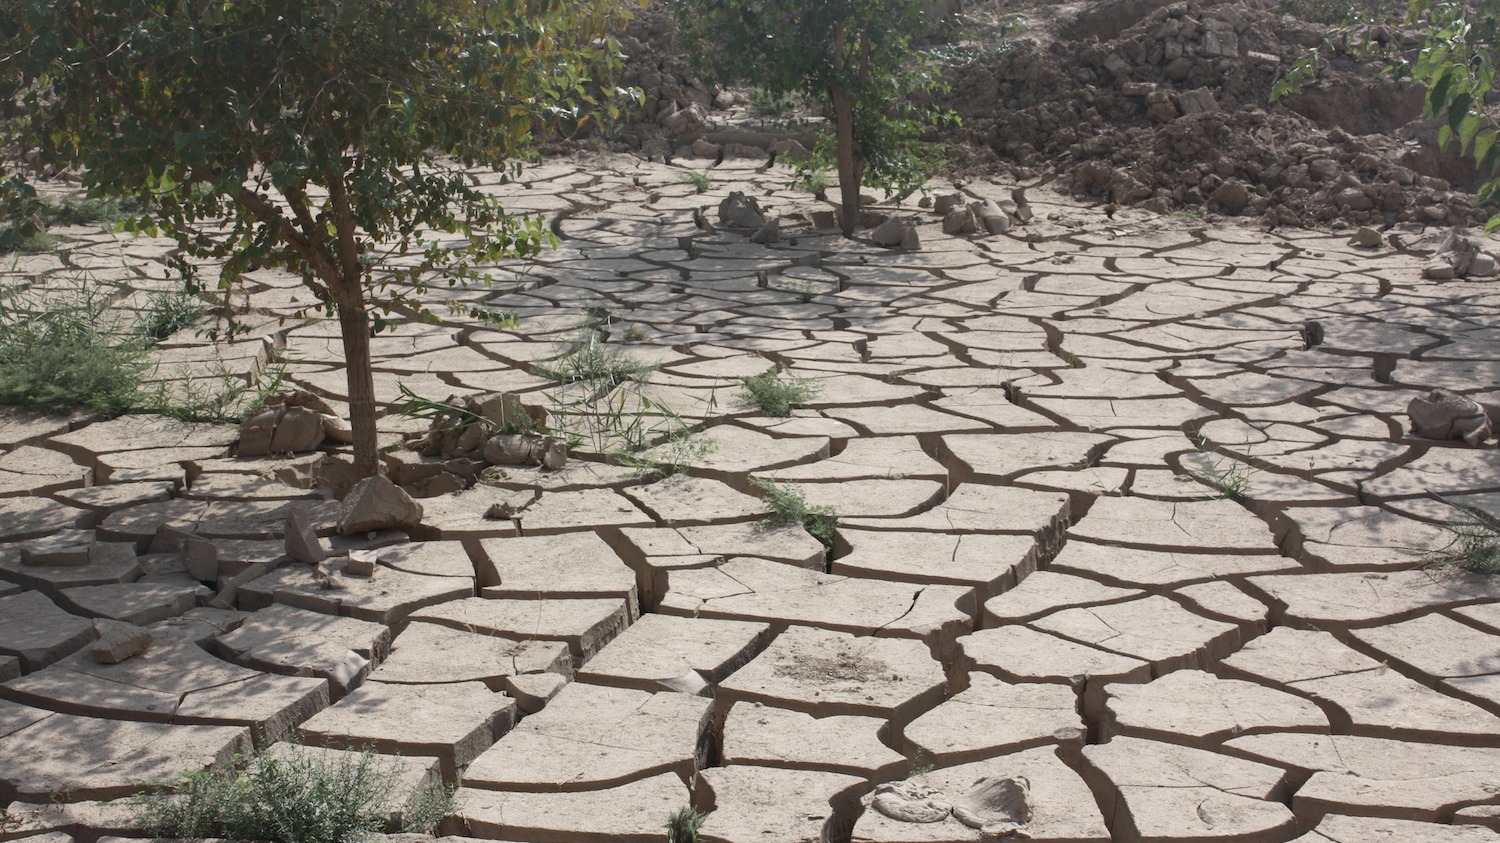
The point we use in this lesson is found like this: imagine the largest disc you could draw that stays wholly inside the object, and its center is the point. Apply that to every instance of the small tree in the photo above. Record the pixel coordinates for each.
(854, 55)
(317, 135)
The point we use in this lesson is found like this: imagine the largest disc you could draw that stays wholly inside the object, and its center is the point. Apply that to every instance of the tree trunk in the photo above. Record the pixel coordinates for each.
(850, 170)
(354, 325)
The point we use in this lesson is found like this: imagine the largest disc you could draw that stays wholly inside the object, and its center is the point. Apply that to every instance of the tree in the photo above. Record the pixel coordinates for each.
(322, 136)
(854, 55)
(1455, 61)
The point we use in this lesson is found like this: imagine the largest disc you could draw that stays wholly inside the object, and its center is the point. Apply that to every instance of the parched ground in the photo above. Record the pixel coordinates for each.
(1127, 507)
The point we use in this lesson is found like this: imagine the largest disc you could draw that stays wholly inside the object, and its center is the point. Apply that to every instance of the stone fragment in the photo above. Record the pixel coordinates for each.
(765, 803)
(1159, 791)
(425, 654)
(302, 542)
(740, 211)
(68, 548)
(387, 598)
(532, 691)
(36, 631)
(1197, 101)
(759, 734)
(1366, 238)
(117, 641)
(1360, 775)
(993, 717)
(105, 759)
(572, 565)
(1446, 415)
(769, 232)
(670, 653)
(1377, 701)
(1205, 709)
(362, 563)
(452, 722)
(631, 813)
(589, 738)
(746, 588)
(375, 503)
(135, 602)
(897, 233)
(829, 673)
(297, 642)
(1340, 829)
(584, 625)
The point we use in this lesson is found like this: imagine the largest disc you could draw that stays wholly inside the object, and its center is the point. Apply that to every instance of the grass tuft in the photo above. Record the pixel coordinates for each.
(789, 506)
(777, 393)
(701, 181)
(683, 825)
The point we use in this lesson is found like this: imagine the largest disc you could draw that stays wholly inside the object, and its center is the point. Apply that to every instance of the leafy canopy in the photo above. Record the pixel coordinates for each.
(290, 118)
(859, 51)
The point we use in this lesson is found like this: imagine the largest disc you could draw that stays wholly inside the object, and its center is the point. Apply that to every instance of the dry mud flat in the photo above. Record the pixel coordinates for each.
(1039, 576)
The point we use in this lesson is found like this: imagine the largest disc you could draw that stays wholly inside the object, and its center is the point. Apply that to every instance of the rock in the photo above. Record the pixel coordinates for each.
(1232, 196)
(362, 563)
(898, 233)
(959, 220)
(1438, 270)
(1483, 265)
(201, 557)
(741, 211)
(1446, 415)
(1366, 238)
(292, 423)
(947, 202)
(990, 217)
(768, 233)
(826, 221)
(1197, 101)
(302, 542)
(118, 641)
(375, 503)
(525, 449)
(68, 548)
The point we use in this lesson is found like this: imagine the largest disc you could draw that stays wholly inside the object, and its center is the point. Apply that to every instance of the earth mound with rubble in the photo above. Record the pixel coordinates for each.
(1160, 104)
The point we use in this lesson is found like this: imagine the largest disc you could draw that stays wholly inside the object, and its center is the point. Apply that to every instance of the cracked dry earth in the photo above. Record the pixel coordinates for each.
(1037, 573)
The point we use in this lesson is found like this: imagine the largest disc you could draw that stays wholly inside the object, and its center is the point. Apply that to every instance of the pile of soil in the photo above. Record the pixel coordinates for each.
(1157, 103)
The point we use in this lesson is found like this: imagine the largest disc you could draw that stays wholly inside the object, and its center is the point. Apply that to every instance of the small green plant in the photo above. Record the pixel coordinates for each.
(170, 311)
(1228, 476)
(814, 181)
(777, 393)
(635, 333)
(683, 825)
(593, 364)
(295, 796)
(789, 506)
(25, 215)
(682, 449)
(1476, 540)
(65, 349)
(701, 181)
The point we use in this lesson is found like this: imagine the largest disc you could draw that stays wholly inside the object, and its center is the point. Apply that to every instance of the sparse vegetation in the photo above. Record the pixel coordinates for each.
(594, 364)
(682, 449)
(683, 825)
(1476, 540)
(777, 393)
(296, 796)
(1228, 476)
(25, 215)
(1337, 12)
(64, 350)
(171, 311)
(789, 506)
(700, 180)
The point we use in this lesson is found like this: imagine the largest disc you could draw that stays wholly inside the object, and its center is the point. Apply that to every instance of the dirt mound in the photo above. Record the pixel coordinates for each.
(1157, 103)
(1171, 112)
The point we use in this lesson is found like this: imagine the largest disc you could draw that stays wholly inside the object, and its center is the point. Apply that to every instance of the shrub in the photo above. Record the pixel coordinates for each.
(297, 796)
(789, 506)
(776, 393)
(1476, 541)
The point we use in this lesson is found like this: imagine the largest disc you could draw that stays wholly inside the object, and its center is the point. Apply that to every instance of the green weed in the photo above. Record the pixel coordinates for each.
(593, 364)
(297, 796)
(701, 181)
(64, 350)
(777, 393)
(1476, 541)
(171, 311)
(789, 506)
(683, 825)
